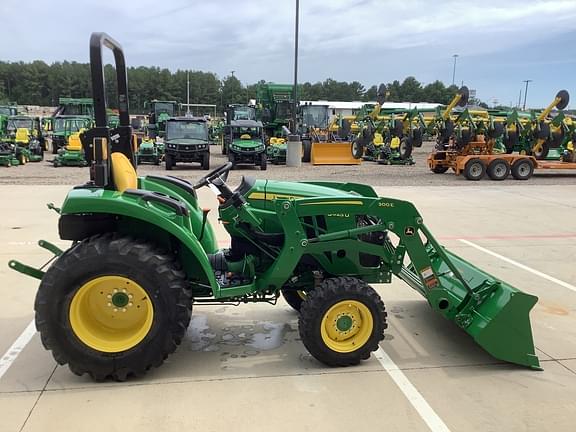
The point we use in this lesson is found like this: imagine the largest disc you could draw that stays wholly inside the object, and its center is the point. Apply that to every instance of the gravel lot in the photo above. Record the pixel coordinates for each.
(368, 173)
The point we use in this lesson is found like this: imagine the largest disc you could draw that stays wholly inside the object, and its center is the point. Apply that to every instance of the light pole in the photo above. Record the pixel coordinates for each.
(454, 69)
(232, 73)
(295, 90)
(525, 93)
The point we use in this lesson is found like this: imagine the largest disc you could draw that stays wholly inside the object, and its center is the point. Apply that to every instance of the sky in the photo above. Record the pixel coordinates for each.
(500, 43)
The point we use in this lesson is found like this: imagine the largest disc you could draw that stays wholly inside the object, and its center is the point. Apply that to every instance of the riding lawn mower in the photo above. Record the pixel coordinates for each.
(118, 301)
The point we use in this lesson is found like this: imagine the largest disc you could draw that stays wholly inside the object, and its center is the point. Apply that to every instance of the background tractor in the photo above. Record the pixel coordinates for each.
(150, 151)
(64, 126)
(119, 300)
(159, 112)
(26, 134)
(274, 108)
(74, 107)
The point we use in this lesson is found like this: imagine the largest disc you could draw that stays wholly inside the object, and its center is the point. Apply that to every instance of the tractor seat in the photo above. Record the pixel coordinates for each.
(74, 143)
(22, 135)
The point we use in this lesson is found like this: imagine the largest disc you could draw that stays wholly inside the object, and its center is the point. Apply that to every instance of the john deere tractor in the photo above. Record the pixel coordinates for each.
(26, 134)
(119, 300)
(150, 151)
(65, 125)
(159, 112)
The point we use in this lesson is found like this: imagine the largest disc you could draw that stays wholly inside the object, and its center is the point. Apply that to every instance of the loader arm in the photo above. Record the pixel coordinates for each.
(493, 312)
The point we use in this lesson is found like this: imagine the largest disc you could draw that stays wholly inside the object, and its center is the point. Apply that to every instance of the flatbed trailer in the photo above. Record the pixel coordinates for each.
(497, 166)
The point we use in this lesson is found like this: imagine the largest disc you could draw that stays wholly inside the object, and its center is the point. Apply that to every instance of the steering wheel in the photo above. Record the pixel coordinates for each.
(221, 170)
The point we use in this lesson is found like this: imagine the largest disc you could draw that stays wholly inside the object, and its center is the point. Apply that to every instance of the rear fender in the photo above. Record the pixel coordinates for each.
(151, 220)
(183, 191)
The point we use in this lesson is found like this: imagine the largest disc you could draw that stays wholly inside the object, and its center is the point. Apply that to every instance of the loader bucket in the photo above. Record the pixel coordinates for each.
(493, 312)
(333, 153)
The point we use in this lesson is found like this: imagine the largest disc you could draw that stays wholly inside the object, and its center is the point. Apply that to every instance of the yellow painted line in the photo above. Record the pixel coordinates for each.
(271, 197)
(335, 203)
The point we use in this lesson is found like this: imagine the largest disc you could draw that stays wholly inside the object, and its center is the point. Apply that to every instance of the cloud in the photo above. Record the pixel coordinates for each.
(365, 40)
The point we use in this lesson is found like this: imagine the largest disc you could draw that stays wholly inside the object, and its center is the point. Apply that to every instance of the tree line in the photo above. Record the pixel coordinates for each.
(37, 83)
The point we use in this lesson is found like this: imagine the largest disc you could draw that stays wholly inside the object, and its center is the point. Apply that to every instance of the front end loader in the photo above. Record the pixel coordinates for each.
(119, 300)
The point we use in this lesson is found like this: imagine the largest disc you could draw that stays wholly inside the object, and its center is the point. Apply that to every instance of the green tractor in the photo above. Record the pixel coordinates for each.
(150, 151)
(5, 112)
(244, 140)
(74, 107)
(159, 112)
(119, 300)
(275, 105)
(187, 140)
(26, 134)
(7, 154)
(64, 126)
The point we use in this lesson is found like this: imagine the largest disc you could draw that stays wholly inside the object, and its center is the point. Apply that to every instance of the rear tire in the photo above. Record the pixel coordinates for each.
(342, 321)
(498, 170)
(522, 169)
(306, 150)
(357, 149)
(294, 298)
(474, 169)
(74, 321)
(405, 149)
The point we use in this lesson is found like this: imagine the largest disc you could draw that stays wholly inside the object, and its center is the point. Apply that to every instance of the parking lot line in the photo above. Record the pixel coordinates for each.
(19, 344)
(425, 411)
(519, 265)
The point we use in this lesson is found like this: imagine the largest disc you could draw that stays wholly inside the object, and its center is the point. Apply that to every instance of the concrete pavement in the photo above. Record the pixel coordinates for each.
(244, 368)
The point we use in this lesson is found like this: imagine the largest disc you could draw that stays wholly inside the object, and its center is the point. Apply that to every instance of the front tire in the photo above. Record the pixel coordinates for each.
(206, 161)
(169, 159)
(263, 162)
(342, 321)
(112, 307)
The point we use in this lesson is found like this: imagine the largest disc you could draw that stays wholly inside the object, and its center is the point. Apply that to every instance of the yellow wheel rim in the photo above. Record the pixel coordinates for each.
(347, 326)
(111, 313)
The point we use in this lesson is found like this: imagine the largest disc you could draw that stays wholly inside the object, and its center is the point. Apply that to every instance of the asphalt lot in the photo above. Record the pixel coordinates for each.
(245, 367)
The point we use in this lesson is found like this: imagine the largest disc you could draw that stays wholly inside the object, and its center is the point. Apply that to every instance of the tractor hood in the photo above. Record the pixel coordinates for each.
(189, 141)
(262, 193)
(247, 144)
